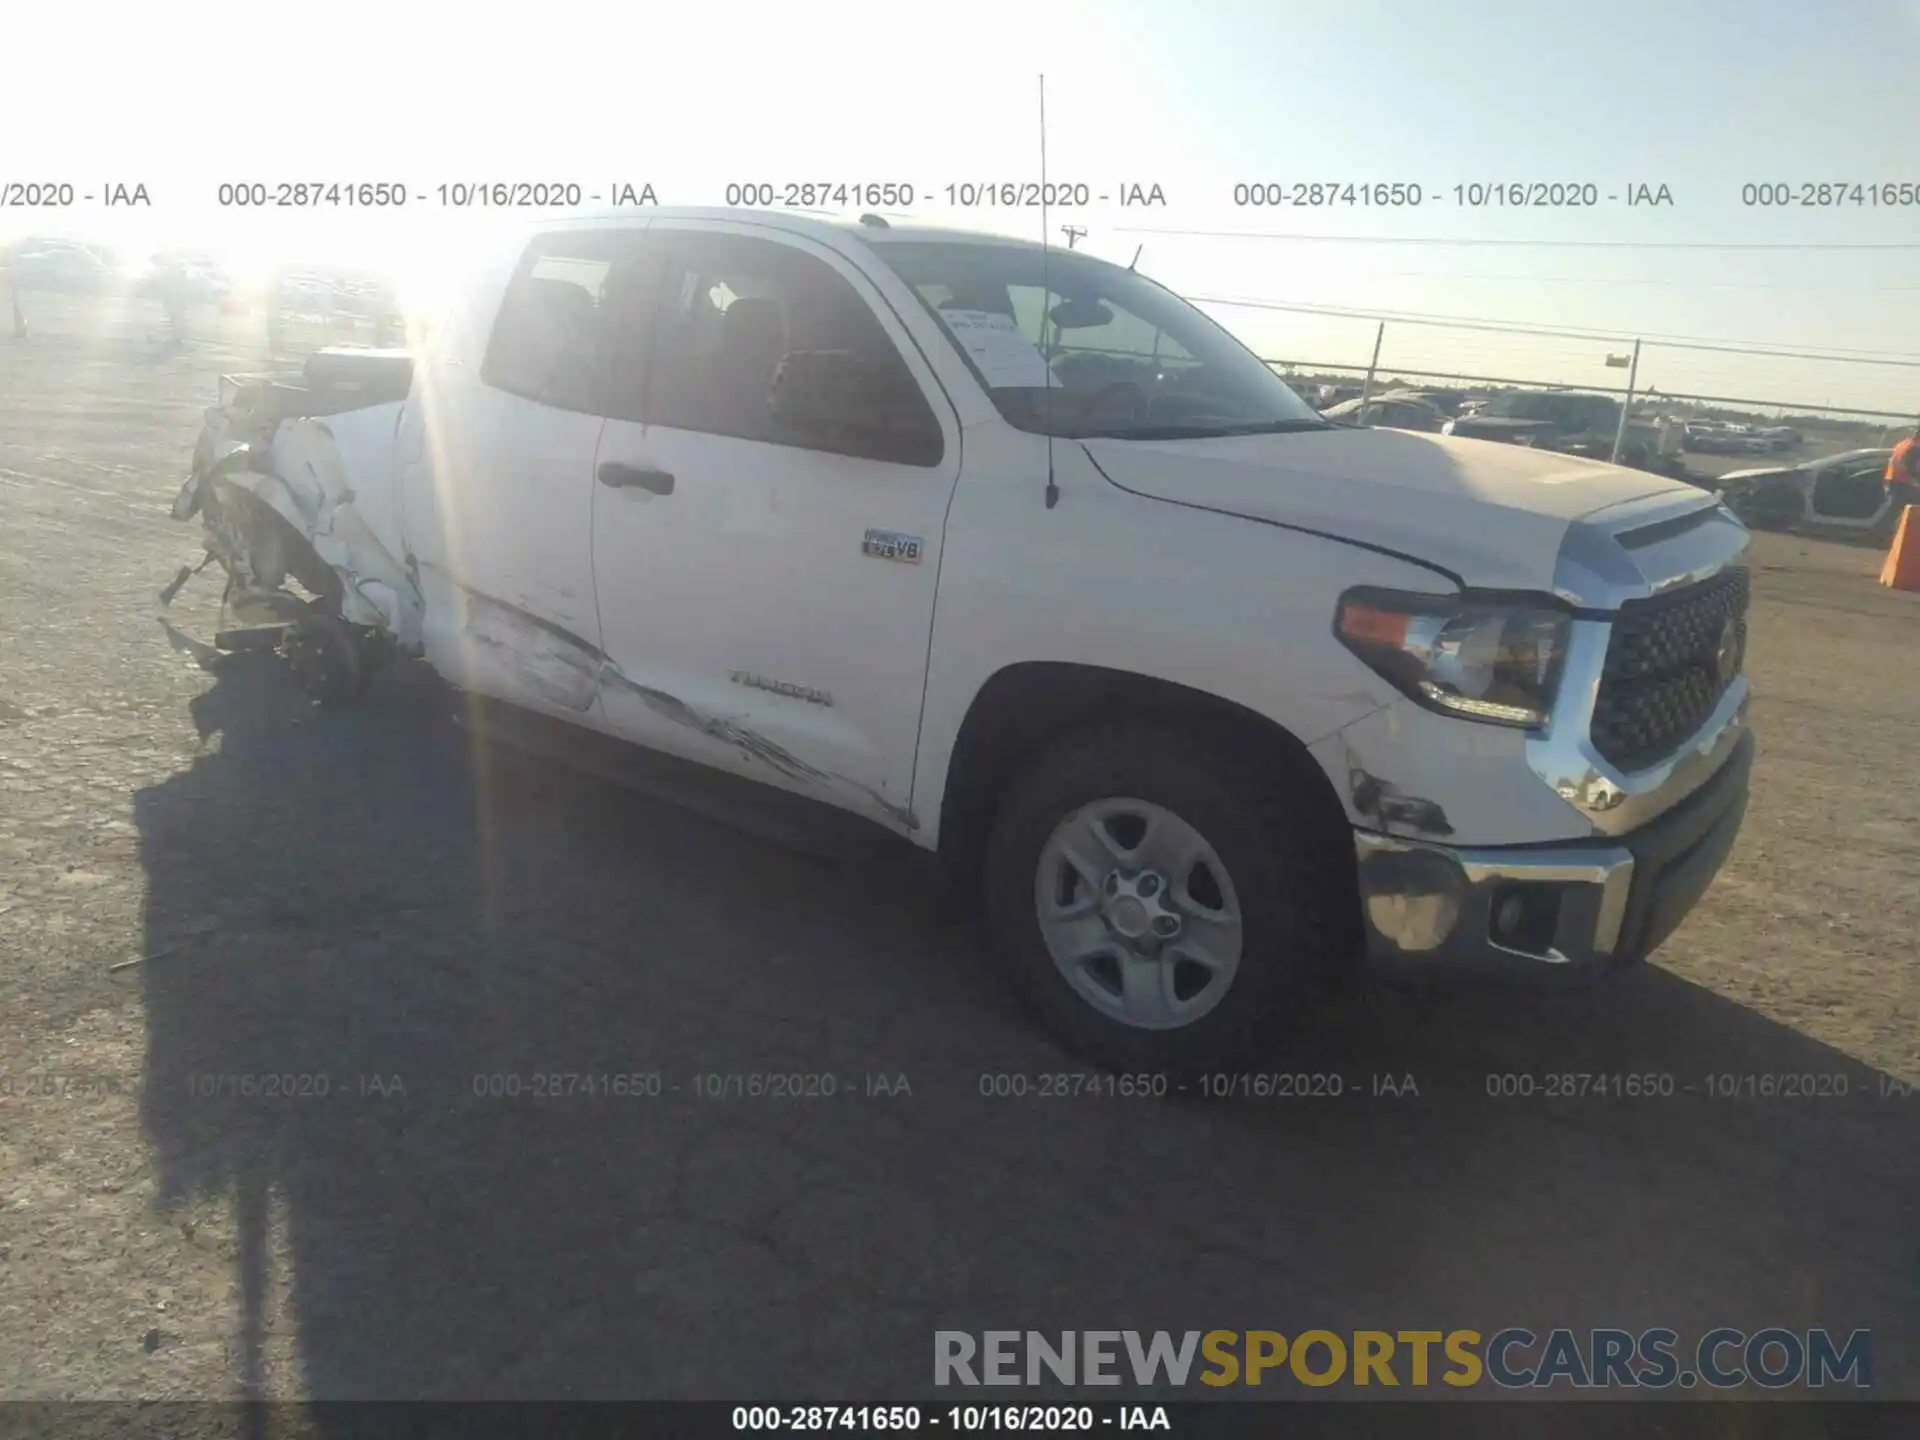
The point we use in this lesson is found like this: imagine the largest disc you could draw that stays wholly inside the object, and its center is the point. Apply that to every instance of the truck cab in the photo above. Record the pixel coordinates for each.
(1016, 554)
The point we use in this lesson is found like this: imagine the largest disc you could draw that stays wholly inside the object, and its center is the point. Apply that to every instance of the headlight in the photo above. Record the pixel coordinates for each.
(1475, 659)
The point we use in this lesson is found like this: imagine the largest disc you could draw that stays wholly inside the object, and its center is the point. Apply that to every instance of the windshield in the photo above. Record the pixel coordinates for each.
(1071, 346)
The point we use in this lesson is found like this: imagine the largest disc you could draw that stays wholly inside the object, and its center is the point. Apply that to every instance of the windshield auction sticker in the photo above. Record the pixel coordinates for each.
(1006, 359)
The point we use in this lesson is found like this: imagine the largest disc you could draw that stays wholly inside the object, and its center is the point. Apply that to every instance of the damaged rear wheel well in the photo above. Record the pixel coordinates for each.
(1025, 708)
(270, 541)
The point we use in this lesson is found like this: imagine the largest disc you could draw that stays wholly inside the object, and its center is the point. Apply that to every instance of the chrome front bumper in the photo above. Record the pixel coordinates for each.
(1584, 904)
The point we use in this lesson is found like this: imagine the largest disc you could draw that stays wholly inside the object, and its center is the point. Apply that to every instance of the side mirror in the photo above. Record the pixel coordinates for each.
(1080, 315)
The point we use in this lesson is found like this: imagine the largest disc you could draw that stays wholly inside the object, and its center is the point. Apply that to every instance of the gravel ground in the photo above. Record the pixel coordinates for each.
(372, 904)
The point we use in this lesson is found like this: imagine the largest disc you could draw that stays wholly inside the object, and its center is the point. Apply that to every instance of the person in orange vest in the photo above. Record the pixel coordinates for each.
(1902, 483)
(1903, 466)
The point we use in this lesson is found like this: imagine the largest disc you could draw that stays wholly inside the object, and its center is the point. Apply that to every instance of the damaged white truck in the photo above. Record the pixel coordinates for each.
(1017, 554)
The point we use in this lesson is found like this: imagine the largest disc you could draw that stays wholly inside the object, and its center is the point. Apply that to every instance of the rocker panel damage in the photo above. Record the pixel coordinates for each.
(569, 671)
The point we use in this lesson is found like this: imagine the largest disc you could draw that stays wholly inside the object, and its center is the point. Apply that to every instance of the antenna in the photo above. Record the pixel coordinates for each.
(1073, 233)
(1046, 298)
(1136, 256)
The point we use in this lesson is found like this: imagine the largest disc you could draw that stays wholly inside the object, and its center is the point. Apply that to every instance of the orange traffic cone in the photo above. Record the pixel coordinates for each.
(1902, 570)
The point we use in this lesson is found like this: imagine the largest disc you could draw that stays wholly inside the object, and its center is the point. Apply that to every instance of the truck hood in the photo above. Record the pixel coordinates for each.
(1494, 515)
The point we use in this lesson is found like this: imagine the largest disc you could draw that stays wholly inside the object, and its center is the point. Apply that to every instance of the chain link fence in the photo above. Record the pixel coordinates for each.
(1703, 404)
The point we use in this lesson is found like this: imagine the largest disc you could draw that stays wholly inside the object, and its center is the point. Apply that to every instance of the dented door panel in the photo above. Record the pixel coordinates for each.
(771, 613)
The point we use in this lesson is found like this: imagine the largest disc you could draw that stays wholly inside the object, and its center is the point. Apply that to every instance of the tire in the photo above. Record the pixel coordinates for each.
(326, 659)
(1278, 879)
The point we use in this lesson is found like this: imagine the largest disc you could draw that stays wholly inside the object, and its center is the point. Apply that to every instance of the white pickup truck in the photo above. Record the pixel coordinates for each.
(1020, 556)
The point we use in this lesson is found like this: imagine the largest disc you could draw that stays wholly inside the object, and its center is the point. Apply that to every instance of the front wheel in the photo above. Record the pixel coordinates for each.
(1163, 909)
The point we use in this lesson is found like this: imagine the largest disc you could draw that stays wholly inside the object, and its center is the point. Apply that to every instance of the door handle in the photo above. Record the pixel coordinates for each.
(643, 477)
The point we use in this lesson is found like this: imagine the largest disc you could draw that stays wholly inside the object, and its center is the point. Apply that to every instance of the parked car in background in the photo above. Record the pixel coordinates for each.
(63, 266)
(1571, 421)
(1782, 437)
(185, 279)
(1720, 437)
(1835, 496)
(330, 301)
(1392, 412)
(1331, 395)
(1448, 402)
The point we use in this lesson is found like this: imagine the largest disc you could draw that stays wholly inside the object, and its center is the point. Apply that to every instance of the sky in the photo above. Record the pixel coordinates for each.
(1702, 97)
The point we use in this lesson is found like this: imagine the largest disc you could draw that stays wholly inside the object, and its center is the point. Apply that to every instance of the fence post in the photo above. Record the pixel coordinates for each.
(1620, 431)
(1366, 390)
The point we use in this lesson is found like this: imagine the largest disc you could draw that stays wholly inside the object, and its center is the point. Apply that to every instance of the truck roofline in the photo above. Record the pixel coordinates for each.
(819, 226)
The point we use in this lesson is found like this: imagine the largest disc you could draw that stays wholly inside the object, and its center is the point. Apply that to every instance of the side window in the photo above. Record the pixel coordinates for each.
(1850, 492)
(550, 341)
(760, 341)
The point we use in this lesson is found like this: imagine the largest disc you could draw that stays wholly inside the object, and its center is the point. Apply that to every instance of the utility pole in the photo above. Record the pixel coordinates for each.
(1366, 390)
(1073, 233)
(1620, 430)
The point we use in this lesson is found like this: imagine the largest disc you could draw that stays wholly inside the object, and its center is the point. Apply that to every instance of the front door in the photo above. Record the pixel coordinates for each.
(766, 595)
(1850, 497)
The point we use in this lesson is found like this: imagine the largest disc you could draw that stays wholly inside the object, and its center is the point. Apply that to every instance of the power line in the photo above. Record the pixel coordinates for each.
(1510, 327)
(1495, 327)
(1625, 280)
(1783, 245)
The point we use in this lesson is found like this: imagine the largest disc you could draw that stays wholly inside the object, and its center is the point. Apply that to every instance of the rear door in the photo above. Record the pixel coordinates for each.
(507, 569)
(767, 597)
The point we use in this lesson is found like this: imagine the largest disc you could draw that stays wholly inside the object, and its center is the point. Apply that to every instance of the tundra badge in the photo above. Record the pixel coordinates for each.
(891, 545)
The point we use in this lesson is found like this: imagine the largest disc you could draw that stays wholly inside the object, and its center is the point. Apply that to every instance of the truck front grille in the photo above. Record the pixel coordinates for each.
(1670, 660)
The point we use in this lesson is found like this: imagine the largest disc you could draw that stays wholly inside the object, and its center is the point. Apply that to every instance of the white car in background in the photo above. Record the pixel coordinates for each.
(1393, 411)
(64, 267)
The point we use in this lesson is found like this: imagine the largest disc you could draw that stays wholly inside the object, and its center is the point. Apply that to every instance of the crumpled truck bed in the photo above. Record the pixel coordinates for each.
(299, 480)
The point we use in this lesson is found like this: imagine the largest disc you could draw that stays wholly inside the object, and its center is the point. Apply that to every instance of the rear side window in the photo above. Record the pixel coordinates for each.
(551, 340)
(734, 308)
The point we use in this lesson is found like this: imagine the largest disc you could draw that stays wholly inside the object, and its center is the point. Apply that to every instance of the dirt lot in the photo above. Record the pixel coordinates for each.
(369, 901)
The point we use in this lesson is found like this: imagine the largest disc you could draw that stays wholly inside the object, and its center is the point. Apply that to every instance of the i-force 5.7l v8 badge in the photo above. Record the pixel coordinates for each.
(891, 545)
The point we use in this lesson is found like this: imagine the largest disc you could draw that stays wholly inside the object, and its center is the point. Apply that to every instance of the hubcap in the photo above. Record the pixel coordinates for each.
(1138, 913)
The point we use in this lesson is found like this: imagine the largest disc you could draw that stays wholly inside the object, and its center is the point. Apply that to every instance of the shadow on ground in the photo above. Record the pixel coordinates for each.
(363, 900)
